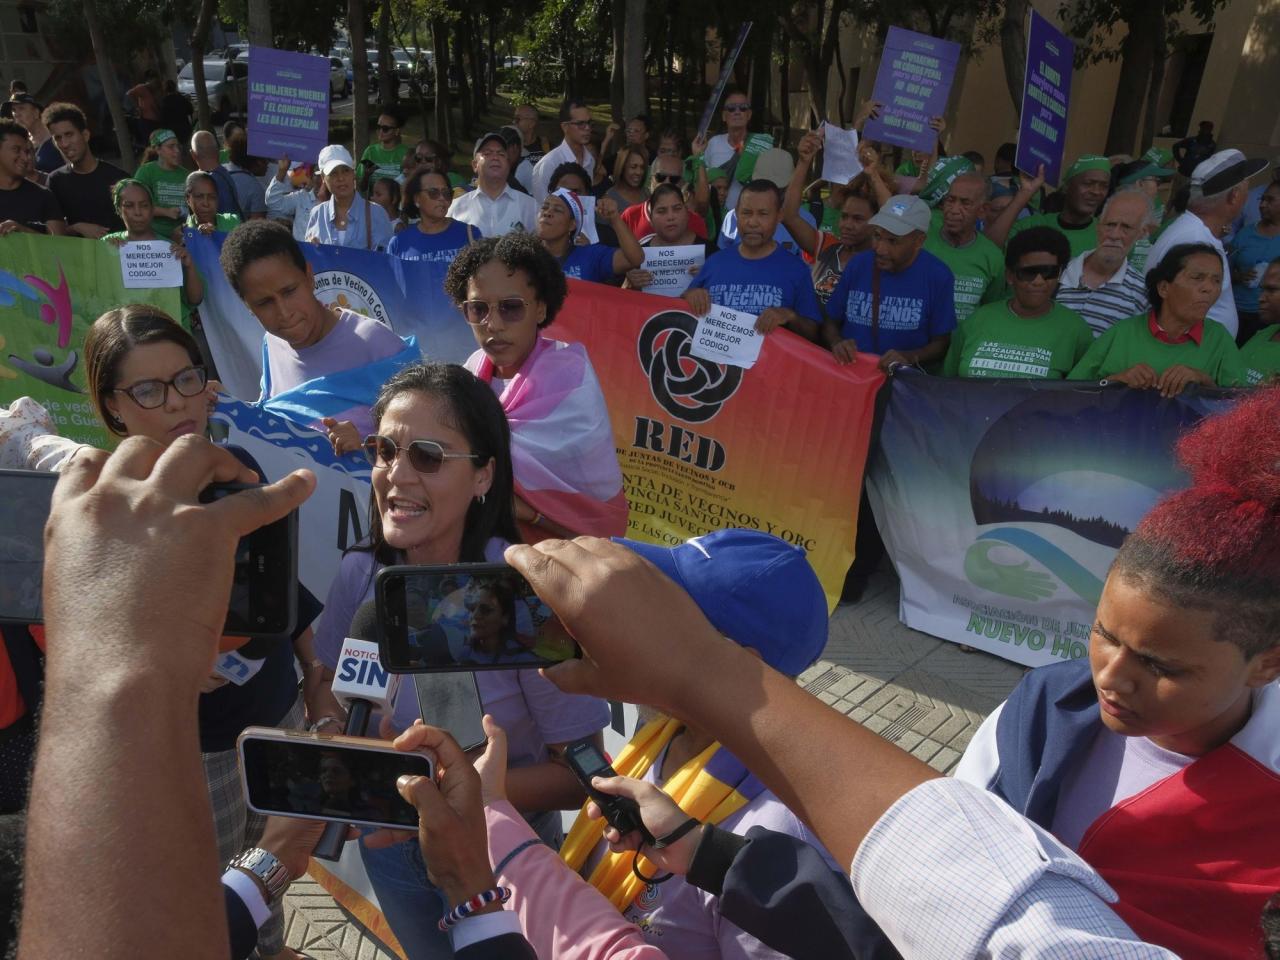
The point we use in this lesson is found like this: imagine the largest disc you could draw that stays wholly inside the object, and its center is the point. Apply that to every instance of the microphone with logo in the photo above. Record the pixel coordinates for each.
(362, 685)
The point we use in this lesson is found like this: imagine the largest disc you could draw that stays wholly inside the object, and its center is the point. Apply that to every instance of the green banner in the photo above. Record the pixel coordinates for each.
(51, 290)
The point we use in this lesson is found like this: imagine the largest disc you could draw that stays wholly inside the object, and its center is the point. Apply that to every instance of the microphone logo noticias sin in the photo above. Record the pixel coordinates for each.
(359, 665)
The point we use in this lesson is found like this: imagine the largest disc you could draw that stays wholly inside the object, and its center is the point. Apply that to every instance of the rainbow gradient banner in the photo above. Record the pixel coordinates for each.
(702, 445)
(1002, 502)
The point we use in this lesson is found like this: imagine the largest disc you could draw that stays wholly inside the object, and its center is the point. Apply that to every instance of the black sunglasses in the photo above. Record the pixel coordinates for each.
(668, 177)
(436, 193)
(150, 394)
(1049, 271)
(384, 128)
(425, 456)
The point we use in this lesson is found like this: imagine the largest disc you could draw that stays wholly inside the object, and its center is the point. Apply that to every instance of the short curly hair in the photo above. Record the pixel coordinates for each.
(516, 251)
(256, 240)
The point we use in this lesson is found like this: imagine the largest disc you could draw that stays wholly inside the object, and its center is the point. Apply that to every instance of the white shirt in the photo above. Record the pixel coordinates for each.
(286, 203)
(511, 210)
(547, 166)
(1189, 228)
(524, 175)
(718, 153)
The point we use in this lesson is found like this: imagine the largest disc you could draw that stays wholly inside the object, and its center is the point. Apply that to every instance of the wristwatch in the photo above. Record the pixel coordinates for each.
(266, 868)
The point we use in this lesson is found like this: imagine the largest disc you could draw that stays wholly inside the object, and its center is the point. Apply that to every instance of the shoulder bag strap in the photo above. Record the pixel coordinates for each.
(368, 226)
(875, 309)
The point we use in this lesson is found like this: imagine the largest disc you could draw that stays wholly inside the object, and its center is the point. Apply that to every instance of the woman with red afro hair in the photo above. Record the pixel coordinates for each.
(1157, 759)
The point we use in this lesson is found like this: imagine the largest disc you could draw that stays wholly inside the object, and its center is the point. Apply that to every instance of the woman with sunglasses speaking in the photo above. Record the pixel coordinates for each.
(567, 480)
(1027, 336)
(443, 493)
(1177, 343)
(145, 378)
(436, 236)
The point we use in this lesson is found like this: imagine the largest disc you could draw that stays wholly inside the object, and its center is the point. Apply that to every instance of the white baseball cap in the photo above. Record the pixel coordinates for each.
(333, 156)
(902, 215)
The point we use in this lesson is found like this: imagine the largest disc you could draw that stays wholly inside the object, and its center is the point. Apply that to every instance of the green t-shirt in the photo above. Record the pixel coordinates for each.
(995, 342)
(1260, 357)
(222, 222)
(387, 161)
(1129, 342)
(1081, 239)
(978, 268)
(169, 188)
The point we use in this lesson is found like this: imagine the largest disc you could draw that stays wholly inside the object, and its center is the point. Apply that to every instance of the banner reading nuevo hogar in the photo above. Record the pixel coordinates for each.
(407, 295)
(51, 291)
(1002, 503)
(778, 448)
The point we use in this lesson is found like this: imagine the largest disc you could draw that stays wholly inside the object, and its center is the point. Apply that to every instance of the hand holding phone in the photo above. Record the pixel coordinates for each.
(621, 813)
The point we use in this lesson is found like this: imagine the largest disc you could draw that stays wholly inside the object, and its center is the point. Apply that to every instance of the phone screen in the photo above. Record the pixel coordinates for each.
(480, 616)
(312, 777)
(586, 759)
(25, 496)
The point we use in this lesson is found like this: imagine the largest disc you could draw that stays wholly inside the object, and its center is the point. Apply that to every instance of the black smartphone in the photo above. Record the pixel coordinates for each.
(264, 594)
(264, 589)
(621, 813)
(465, 616)
(341, 779)
(25, 496)
(451, 701)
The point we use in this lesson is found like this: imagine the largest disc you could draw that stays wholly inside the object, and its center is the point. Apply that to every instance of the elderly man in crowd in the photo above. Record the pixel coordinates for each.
(494, 207)
(974, 261)
(1102, 285)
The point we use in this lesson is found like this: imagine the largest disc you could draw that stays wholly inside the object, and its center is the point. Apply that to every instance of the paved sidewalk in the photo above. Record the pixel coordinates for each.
(924, 694)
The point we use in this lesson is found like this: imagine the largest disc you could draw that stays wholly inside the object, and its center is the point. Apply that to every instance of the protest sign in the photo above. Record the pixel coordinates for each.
(149, 265)
(726, 72)
(913, 83)
(288, 111)
(1002, 503)
(407, 295)
(727, 336)
(1046, 94)
(840, 162)
(673, 268)
(51, 291)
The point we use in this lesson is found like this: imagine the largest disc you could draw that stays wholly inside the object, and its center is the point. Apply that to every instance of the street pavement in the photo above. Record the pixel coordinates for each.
(924, 694)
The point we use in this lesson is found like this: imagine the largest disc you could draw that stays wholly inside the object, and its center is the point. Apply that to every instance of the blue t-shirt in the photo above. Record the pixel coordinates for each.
(593, 262)
(916, 304)
(778, 280)
(413, 244)
(729, 232)
(1249, 250)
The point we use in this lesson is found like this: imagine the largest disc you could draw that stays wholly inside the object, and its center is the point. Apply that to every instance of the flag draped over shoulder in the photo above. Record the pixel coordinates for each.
(562, 448)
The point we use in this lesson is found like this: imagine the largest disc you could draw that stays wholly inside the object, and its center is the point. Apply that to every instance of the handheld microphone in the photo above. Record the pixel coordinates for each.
(361, 684)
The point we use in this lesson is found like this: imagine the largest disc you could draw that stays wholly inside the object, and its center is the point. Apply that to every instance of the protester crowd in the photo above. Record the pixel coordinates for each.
(1117, 806)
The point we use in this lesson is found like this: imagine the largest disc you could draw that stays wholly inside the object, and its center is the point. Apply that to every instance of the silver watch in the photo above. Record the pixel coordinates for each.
(267, 868)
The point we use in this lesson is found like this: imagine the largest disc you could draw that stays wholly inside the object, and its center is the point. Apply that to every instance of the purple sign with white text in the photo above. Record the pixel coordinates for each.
(913, 83)
(1046, 94)
(288, 104)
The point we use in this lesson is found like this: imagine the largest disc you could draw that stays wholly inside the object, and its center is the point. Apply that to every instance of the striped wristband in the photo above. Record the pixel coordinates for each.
(478, 902)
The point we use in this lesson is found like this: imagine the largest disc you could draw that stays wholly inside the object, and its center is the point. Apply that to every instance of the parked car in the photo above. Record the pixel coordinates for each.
(340, 82)
(226, 81)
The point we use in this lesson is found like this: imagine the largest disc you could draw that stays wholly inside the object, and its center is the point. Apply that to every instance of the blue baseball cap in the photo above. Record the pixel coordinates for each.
(756, 589)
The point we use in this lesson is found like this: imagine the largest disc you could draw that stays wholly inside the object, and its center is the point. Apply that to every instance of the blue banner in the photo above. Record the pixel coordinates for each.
(408, 296)
(1002, 503)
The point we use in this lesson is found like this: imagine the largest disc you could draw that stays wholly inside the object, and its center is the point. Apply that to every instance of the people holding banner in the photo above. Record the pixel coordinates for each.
(1027, 335)
(1178, 343)
(321, 368)
(1260, 356)
(443, 493)
(493, 207)
(670, 216)
(1084, 188)
(346, 219)
(436, 236)
(133, 203)
(1103, 285)
(202, 200)
(953, 238)
(166, 178)
(898, 300)
(758, 276)
(1154, 758)
(567, 479)
(560, 222)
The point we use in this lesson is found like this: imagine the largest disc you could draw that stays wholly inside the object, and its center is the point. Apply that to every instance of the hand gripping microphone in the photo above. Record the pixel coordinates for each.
(362, 685)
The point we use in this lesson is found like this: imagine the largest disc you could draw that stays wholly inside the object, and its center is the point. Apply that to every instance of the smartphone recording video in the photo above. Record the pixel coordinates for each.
(466, 616)
(291, 773)
(25, 497)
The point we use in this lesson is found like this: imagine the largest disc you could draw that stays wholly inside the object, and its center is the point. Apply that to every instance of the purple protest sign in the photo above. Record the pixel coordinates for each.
(1046, 93)
(288, 104)
(913, 83)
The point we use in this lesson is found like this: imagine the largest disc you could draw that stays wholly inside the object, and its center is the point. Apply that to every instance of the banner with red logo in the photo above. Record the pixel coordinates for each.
(704, 445)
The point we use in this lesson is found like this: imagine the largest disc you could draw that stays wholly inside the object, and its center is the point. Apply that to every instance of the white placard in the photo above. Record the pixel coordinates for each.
(727, 336)
(673, 268)
(589, 229)
(149, 265)
(840, 162)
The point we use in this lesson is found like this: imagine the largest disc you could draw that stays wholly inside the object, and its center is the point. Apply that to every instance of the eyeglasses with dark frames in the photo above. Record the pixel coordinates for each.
(150, 394)
(425, 456)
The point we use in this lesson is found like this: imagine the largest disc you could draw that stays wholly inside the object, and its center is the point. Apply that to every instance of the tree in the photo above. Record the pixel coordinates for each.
(360, 79)
(634, 98)
(1150, 27)
(260, 24)
(109, 89)
(199, 40)
(617, 86)
(1013, 48)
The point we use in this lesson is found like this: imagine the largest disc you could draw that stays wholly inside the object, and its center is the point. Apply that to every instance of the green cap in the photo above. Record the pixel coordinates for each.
(714, 174)
(1086, 164)
(1144, 171)
(161, 136)
(941, 174)
(1159, 157)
